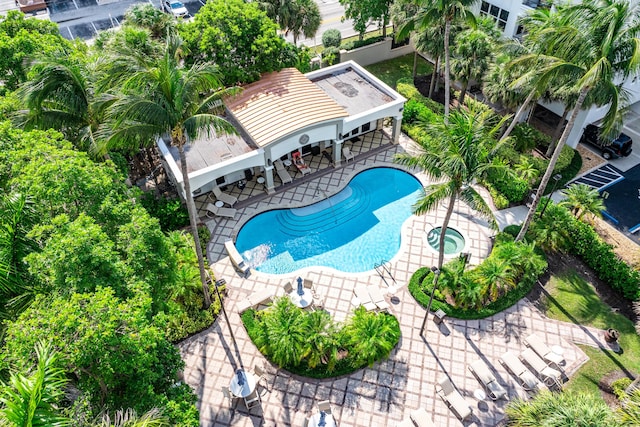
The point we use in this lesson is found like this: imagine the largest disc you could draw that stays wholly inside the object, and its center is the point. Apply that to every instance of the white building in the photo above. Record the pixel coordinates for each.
(285, 113)
(507, 14)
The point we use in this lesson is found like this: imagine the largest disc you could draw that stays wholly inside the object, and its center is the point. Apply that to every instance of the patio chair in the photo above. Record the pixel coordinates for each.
(300, 164)
(252, 400)
(527, 380)
(307, 284)
(348, 155)
(536, 344)
(305, 422)
(224, 197)
(224, 212)
(365, 299)
(288, 288)
(377, 298)
(282, 172)
(260, 375)
(236, 258)
(551, 377)
(324, 406)
(231, 398)
(488, 380)
(453, 398)
(318, 302)
(421, 418)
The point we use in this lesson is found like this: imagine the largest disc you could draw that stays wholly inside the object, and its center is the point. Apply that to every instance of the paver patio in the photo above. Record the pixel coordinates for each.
(386, 393)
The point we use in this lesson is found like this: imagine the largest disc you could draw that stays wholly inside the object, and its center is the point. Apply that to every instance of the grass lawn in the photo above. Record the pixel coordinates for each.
(393, 69)
(574, 300)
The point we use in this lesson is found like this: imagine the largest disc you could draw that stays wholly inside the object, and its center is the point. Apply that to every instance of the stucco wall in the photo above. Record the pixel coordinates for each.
(376, 52)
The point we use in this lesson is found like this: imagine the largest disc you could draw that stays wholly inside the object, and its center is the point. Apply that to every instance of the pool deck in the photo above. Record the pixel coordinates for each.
(386, 393)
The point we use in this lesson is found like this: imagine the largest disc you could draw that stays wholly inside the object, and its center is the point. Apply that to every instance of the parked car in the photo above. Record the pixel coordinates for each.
(176, 8)
(618, 147)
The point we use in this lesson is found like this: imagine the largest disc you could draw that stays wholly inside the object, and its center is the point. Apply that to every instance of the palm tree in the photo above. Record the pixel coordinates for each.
(161, 98)
(598, 45)
(321, 343)
(497, 275)
(430, 12)
(61, 95)
(285, 333)
(32, 401)
(581, 199)
(471, 57)
(371, 336)
(294, 16)
(457, 154)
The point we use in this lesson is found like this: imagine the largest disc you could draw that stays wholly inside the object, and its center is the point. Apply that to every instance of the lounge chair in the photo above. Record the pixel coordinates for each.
(365, 300)
(243, 305)
(225, 212)
(550, 376)
(453, 398)
(377, 298)
(282, 172)
(421, 418)
(300, 164)
(488, 380)
(262, 297)
(236, 258)
(527, 380)
(536, 344)
(406, 423)
(348, 155)
(224, 197)
(324, 406)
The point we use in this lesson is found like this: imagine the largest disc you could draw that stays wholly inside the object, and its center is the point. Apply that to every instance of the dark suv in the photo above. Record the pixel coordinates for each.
(619, 147)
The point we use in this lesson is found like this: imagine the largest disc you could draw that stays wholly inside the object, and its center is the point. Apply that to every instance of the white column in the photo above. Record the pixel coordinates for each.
(268, 175)
(337, 152)
(397, 128)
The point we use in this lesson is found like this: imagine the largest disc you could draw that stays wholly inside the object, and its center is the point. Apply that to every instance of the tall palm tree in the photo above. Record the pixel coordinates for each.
(581, 199)
(32, 401)
(598, 46)
(457, 154)
(430, 12)
(61, 95)
(162, 98)
(472, 55)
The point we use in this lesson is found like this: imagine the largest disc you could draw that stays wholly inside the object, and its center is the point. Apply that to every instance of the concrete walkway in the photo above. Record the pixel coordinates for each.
(386, 393)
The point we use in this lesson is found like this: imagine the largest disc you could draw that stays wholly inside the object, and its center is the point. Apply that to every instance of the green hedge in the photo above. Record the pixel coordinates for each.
(355, 44)
(331, 37)
(513, 188)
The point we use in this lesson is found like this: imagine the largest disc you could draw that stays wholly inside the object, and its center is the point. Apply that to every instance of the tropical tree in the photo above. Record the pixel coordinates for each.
(458, 153)
(294, 16)
(364, 11)
(149, 110)
(581, 198)
(31, 401)
(151, 18)
(370, 336)
(321, 345)
(597, 46)
(430, 12)
(471, 57)
(497, 276)
(61, 95)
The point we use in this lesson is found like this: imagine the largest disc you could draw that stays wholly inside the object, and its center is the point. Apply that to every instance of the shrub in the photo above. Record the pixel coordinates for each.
(330, 56)
(170, 212)
(406, 88)
(331, 38)
(619, 386)
(525, 137)
(416, 111)
(565, 158)
(512, 230)
(513, 188)
(361, 43)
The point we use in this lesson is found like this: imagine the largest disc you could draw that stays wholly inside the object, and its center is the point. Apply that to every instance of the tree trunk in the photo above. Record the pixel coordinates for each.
(556, 133)
(193, 223)
(434, 76)
(415, 64)
(443, 230)
(463, 93)
(447, 71)
(519, 114)
(552, 163)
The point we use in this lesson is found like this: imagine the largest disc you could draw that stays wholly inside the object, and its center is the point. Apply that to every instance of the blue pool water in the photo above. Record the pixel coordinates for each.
(350, 231)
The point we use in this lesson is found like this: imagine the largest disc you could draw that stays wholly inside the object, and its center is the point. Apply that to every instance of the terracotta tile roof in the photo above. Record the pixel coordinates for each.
(281, 103)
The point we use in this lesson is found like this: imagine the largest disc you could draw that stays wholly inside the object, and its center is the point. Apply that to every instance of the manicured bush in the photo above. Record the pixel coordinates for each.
(512, 230)
(566, 156)
(406, 88)
(525, 137)
(513, 188)
(415, 111)
(330, 56)
(355, 44)
(619, 386)
(331, 38)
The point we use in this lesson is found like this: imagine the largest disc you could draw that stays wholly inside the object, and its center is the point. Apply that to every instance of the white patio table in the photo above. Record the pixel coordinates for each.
(328, 419)
(247, 387)
(302, 301)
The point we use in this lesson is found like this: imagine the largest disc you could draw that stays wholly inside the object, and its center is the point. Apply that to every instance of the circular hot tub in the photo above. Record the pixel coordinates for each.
(453, 241)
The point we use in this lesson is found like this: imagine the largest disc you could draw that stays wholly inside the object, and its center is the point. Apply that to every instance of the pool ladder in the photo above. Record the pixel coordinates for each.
(382, 269)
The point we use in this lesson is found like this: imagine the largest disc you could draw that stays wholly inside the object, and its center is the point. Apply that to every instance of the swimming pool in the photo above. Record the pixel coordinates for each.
(350, 231)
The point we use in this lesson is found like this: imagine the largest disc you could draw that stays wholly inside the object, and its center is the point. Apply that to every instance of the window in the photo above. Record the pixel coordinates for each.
(501, 16)
(366, 127)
